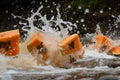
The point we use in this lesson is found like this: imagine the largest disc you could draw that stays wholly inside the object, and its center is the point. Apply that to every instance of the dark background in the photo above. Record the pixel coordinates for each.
(106, 20)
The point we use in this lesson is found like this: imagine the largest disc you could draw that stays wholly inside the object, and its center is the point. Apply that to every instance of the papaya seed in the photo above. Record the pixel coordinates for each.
(7, 48)
(72, 59)
(1, 43)
(9, 43)
(38, 47)
(71, 45)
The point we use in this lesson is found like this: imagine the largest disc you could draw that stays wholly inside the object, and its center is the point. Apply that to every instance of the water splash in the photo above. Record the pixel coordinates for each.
(46, 26)
(114, 33)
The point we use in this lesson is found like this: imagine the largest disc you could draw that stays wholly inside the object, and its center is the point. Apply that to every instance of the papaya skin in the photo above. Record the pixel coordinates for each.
(14, 39)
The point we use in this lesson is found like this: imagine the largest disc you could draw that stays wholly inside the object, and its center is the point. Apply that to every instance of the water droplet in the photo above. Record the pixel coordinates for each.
(77, 21)
(14, 26)
(113, 16)
(83, 25)
(78, 32)
(46, 1)
(109, 8)
(6, 11)
(94, 14)
(101, 11)
(86, 11)
(85, 28)
(48, 6)
(51, 11)
(82, 20)
(79, 7)
(54, 3)
(69, 6)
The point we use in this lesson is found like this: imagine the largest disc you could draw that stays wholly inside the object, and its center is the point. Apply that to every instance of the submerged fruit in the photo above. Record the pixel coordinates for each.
(9, 42)
(71, 44)
(36, 44)
(116, 50)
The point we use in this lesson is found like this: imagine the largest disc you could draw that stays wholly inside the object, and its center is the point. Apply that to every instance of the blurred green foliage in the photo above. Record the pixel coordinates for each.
(92, 4)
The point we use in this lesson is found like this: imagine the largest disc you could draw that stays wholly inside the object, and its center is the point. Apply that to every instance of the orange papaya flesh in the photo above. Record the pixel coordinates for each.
(37, 43)
(9, 42)
(101, 39)
(71, 44)
(116, 50)
(103, 42)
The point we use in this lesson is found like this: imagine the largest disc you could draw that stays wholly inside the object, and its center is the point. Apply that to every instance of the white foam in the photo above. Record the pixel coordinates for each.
(95, 54)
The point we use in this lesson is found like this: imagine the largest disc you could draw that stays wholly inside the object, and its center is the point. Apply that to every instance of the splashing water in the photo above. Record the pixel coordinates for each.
(115, 34)
(47, 24)
(25, 59)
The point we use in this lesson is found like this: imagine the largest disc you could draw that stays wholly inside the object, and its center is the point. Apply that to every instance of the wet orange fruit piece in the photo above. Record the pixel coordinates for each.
(103, 41)
(37, 43)
(9, 42)
(116, 50)
(71, 44)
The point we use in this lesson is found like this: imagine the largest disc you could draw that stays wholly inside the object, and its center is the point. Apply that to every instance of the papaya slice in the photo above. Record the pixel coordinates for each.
(116, 50)
(100, 42)
(71, 44)
(101, 39)
(9, 42)
(103, 43)
(37, 43)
